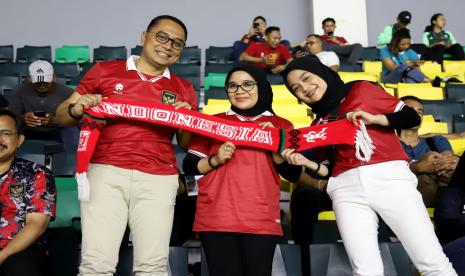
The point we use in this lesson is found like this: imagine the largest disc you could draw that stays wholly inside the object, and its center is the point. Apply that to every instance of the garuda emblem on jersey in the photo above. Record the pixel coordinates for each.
(168, 97)
(17, 189)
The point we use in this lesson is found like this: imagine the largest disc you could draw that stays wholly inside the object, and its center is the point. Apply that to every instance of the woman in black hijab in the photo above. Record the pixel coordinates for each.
(238, 213)
(363, 189)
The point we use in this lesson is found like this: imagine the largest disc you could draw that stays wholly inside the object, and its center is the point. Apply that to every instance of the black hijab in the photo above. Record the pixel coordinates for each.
(265, 95)
(335, 92)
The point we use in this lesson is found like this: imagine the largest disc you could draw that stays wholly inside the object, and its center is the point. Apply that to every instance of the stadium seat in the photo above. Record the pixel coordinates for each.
(370, 53)
(458, 123)
(219, 55)
(331, 259)
(7, 83)
(274, 79)
(353, 76)
(67, 202)
(345, 66)
(136, 50)
(106, 53)
(62, 80)
(70, 53)
(431, 69)
(6, 53)
(455, 91)
(300, 122)
(433, 127)
(186, 70)
(428, 118)
(454, 67)
(373, 67)
(212, 109)
(40, 151)
(214, 79)
(33, 53)
(190, 55)
(458, 146)
(290, 111)
(218, 68)
(20, 70)
(282, 95)
(68, 70)
(215, 93)
(424, 93)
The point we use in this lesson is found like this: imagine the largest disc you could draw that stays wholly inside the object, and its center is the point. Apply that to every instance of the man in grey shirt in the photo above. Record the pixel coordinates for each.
(36, 101)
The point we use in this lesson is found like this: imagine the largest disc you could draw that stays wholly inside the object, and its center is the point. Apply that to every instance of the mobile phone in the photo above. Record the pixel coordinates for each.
(256, 24)
(330, 33)
(40, 113)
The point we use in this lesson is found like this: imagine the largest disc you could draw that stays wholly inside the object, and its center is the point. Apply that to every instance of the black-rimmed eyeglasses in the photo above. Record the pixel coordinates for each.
(163, 38)
(246, 86)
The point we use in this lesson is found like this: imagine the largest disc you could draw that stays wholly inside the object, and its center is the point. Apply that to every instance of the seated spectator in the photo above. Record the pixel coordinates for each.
(441, 41)
(314, 46)
(36, 101)
(256, 32)
(28, 201)
(403, 19)
(270, 55)
(338, 44)
(400, 64)
(449, 218)
(431, 159)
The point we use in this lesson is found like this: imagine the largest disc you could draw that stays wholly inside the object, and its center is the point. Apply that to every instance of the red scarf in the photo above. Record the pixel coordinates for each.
(241, 134)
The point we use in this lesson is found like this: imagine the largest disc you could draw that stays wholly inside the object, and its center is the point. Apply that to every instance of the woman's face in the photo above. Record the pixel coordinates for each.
(404, 44)
(242, 90)
(440, 22)
(308, 87)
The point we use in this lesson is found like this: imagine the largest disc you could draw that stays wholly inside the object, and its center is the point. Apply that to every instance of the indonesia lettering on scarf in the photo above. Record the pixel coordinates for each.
(240, 133)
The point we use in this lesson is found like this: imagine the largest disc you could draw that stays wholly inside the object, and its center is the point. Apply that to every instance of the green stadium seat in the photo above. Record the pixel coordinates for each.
(69, 53)
(6, 53)
(32, 53)
(214, 79)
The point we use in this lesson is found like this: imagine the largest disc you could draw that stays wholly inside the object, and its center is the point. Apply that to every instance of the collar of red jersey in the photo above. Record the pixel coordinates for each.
(131, 65)
(242, 118)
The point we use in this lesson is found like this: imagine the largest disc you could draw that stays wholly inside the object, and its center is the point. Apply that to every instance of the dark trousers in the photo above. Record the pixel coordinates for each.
(237, 254)
(436, 53)
(455, 251)
(351, 52)
(30, 262)
(306, 203)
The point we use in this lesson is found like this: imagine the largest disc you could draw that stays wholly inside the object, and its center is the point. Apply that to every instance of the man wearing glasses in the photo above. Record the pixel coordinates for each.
(133, 174)
(313, 45)
(27, 203)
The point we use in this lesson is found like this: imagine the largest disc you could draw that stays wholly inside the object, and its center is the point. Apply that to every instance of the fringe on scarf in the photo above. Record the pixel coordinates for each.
(364, 147)
(83, 186)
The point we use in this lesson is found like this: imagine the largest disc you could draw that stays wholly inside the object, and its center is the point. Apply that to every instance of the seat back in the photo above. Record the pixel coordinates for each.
(107, 53)
(32, 53)
(190, 55)
(72, 54)
(219, 55)
(6, 53)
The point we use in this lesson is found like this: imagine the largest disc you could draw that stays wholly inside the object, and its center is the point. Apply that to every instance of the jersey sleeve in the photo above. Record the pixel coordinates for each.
(42, 194)
(285, 53)
(385, 37)
(372, 99)
(385, 53)
(91, 81)
(333, 59)
(251, 50)
(425, 38)
(442, 144)
(199, 145)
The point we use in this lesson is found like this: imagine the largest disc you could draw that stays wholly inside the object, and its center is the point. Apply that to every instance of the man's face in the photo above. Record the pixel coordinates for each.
(314, 45)
(273, 39)
(158, 53)
(418, 107)
(42, 87)
(329, 27)
(10, 141)
(261, 25)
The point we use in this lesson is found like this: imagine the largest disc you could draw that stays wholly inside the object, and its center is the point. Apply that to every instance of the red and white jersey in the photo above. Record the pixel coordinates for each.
(130, 144)
(374, 100)
(243, 194)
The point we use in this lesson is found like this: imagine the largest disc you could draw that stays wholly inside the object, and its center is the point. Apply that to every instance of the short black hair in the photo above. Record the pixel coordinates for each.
(18, 124)
(409, 97)
(314, 35)
(328, 19)
(259, 17)
(271, 29)
(167, 17)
